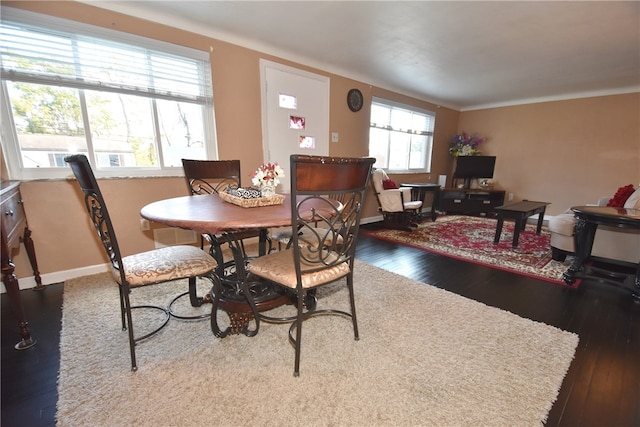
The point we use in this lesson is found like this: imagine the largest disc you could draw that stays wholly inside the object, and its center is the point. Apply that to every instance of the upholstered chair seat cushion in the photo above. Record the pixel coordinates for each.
(165, 264)
(279, 267)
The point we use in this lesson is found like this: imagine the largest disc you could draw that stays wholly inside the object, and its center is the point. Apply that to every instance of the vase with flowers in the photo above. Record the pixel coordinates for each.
(267, 178)
(464, 144)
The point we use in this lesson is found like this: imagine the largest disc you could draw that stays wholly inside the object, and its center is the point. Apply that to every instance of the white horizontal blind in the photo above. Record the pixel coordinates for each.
(44, 55)
(385, 115)
(134, 105)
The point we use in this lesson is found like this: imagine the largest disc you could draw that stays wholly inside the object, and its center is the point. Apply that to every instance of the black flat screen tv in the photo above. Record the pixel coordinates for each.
(475, 167)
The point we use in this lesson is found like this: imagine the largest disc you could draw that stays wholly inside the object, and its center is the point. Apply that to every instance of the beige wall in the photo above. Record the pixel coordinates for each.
(564, 152)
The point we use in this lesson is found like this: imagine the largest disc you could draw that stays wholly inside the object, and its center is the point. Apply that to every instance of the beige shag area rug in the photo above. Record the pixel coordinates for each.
(425, 357)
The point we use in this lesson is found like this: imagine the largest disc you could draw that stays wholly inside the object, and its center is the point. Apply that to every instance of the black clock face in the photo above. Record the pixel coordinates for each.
(354, 100)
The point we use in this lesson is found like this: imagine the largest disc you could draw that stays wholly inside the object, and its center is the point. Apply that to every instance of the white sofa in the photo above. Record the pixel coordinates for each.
(609, 242)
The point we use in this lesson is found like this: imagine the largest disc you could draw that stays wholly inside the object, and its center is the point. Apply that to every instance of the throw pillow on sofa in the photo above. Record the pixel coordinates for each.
(621, 196)
(633, 202)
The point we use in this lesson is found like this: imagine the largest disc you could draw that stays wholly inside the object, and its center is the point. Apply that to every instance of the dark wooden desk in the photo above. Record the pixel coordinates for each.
(588, 218)
(15, 230)
(419, 191)
(519, 212)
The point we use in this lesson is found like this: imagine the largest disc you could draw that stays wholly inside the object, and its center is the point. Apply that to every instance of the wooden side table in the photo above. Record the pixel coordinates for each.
(588, 218)
(419, 191)
(15, 230)
(519, 212)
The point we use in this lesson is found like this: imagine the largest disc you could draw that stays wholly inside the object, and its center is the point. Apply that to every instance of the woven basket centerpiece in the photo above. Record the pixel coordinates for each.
(250, 197)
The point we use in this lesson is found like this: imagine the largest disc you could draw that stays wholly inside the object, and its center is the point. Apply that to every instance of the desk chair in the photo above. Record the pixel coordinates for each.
(316, 183)
(142, 269)
(212, 177)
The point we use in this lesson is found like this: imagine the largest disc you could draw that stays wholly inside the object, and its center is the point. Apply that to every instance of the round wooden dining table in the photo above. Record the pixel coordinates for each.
(209, 214)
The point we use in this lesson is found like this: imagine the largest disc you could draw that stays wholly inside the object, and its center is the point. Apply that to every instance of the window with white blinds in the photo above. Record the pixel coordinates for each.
(401, 136)
(133, 105)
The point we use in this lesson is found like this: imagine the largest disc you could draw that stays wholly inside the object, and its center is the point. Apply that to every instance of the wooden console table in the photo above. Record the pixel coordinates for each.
(15, 230)
(470, 201)
(588, 218)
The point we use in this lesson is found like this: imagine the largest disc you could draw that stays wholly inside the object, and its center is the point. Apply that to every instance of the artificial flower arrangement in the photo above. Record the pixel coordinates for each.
(267, 175)
(464, 144)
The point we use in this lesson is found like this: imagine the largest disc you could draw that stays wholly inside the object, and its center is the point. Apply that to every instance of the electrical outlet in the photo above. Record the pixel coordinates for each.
(510, 197)
(334, 136)
(144, 224)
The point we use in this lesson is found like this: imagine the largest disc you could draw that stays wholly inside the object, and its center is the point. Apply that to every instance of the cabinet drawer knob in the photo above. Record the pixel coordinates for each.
(9, 213)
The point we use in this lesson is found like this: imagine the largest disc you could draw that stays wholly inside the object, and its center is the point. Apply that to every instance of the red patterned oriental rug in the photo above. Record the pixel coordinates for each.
(471, 239)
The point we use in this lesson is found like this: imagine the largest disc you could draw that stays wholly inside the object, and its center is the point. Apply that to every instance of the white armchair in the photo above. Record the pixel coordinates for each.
(398, 210)
(610, 242)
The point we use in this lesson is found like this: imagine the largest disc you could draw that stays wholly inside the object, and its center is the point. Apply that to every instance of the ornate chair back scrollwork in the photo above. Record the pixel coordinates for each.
(326, 206)
(141, 269)
(212, 177)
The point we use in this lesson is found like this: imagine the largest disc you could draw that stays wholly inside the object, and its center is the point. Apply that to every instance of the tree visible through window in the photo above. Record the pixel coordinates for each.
(127, 102)
(400, 136)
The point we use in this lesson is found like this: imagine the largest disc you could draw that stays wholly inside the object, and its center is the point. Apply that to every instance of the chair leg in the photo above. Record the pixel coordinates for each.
(194, 299)
(132, 342)
(298, 343)
(122, 308)
(352, 300)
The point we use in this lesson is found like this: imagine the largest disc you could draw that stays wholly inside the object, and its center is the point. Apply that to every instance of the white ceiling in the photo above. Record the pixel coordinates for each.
(460, 54)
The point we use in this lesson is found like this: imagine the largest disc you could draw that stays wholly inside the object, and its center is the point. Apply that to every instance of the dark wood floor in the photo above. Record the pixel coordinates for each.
(602, 387)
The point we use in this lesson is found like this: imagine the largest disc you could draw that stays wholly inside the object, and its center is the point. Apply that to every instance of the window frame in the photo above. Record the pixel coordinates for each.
(8, 133)
(428, 160)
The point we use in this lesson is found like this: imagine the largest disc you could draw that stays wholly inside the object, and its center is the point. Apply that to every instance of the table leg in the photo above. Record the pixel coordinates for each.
(31, 253)
(583, 235)
(520, 223)
(13, 292)
(636, 293)
(435, 204)
(496, 239)
(239, 299)
(540, 220)
(262, 242)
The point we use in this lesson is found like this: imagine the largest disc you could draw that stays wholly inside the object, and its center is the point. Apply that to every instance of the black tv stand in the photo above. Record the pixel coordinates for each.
(470, 201)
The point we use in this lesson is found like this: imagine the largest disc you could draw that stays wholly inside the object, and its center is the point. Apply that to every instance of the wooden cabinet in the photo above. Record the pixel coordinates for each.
(15, 230)
(470, 201)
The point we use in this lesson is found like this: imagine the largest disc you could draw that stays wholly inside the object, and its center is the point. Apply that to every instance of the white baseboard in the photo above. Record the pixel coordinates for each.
(59, 276)
(371, 219)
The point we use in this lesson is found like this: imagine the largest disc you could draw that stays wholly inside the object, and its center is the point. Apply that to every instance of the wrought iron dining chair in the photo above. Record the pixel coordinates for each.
(316, 183)
(306, 235)
(212, 177)
(142, 269)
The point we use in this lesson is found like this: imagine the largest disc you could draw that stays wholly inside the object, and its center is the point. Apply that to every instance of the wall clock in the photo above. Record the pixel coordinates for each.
(355, 100)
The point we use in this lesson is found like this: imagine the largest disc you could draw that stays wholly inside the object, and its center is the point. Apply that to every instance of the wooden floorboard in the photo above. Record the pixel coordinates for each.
(601, 388)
